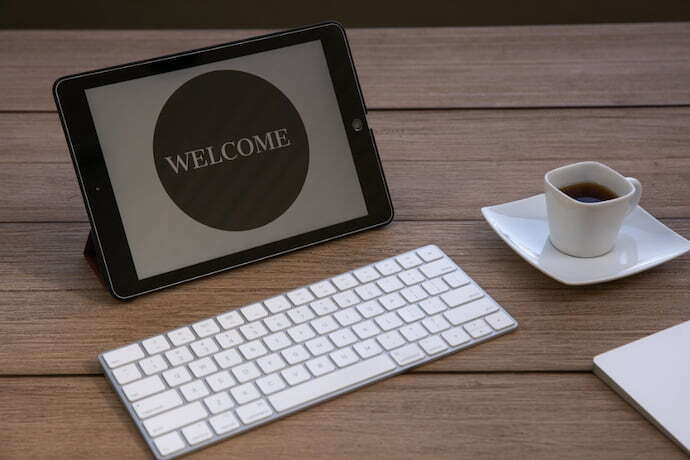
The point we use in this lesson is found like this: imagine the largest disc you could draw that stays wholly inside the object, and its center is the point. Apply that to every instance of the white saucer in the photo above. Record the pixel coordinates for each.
(643, 243)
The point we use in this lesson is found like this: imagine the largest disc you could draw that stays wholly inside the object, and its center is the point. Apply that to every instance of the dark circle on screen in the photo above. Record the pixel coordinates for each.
(231, 150)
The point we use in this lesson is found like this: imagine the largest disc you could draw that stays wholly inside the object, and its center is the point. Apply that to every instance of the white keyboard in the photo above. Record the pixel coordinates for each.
(214, 379)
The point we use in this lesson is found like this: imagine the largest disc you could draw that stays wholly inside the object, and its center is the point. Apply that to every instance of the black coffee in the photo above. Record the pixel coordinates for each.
(588, 192)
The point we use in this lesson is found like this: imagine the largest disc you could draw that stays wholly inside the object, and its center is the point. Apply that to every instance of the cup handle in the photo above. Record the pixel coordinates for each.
(635, 200)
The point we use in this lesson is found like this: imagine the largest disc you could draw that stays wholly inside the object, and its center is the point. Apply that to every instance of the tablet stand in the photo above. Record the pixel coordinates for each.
(93, 259)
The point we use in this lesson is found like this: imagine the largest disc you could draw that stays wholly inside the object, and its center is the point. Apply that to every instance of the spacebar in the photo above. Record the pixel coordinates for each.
(332, 382)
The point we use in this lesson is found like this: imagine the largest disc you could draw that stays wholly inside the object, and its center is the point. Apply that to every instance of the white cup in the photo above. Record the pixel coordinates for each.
(588, 229)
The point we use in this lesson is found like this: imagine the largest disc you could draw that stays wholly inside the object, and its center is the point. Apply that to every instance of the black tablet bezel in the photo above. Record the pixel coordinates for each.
(106, 223)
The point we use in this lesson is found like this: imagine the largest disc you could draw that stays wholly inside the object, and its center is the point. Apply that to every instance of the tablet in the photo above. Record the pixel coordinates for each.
(202, 161)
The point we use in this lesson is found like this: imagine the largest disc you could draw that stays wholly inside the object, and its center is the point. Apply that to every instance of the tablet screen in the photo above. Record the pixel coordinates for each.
(211, 160)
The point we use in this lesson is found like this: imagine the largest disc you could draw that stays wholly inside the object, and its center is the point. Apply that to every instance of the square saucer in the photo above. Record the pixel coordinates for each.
(642, 243)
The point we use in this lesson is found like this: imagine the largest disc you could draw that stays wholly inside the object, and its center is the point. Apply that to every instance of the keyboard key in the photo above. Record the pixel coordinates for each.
(368, 291)
(181, 336)
(346, 281)
(245, 393)
(347, 316)
(470, 311)
(462, 295)
(411, 313)
(230, 319)
(324, 325)
(388, 321)
(414, 294)
(392, 301)
(301, 333)
(169, 443)
(342, 337)
(319, 346)
(429, 253)
(370, 308)
(330, 383)
(277, 304)
(368, 348)
(153, 365)
(126, 374)
(124, 355)
(245, 372)
(175, 419)
(277, 341)
(433, 345)
(143, 388)
(456, 336)
(228, 358)
(435, 286)
(301, 314)
(295, 354)
(346, 299)
(270, 384)
(366, 329)
(155, 345)
(387, 267)
(478, 328)
(277, 322)
(224, 423)
(390, 284)
(202, 367)
(254, 312)
(300, 296)
(407, 354)
(229, 339)
(321, 365)
(391, 340)
(219, 402)
(344, 357)
(438, 268)
(220, 381)
(255, 411)
(433, 305)
(157, 403)
(366, 274)
(323, 289)
(194, 390)
(253, 330)
(499, 320)
(436, 324)
(408, 260)
(177, 376)
(456, 279)
(324, 307)
(197, 432)
(206, 327)
(204, 347)
(253, 349)
(413, 332)
(271, 363)
(410, 277)
(295, 374)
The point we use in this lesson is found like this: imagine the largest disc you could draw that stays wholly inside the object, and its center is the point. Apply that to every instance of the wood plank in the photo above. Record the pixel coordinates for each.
(412, 416)
(439, 165)
(56, 316)
(579, 65)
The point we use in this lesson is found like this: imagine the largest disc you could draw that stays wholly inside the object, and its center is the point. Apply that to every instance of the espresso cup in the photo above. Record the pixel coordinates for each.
(588, 229)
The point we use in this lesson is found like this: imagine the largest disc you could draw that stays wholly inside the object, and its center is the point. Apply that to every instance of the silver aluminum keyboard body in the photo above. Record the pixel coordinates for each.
(196, 385)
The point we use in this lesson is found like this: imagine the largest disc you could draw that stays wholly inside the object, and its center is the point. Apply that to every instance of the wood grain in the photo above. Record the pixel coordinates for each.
(411, 416)
(439, 164)
(50, 296)
(582, 65)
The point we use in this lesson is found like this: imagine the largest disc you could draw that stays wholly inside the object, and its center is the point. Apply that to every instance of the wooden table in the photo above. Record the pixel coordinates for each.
(464, 118)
